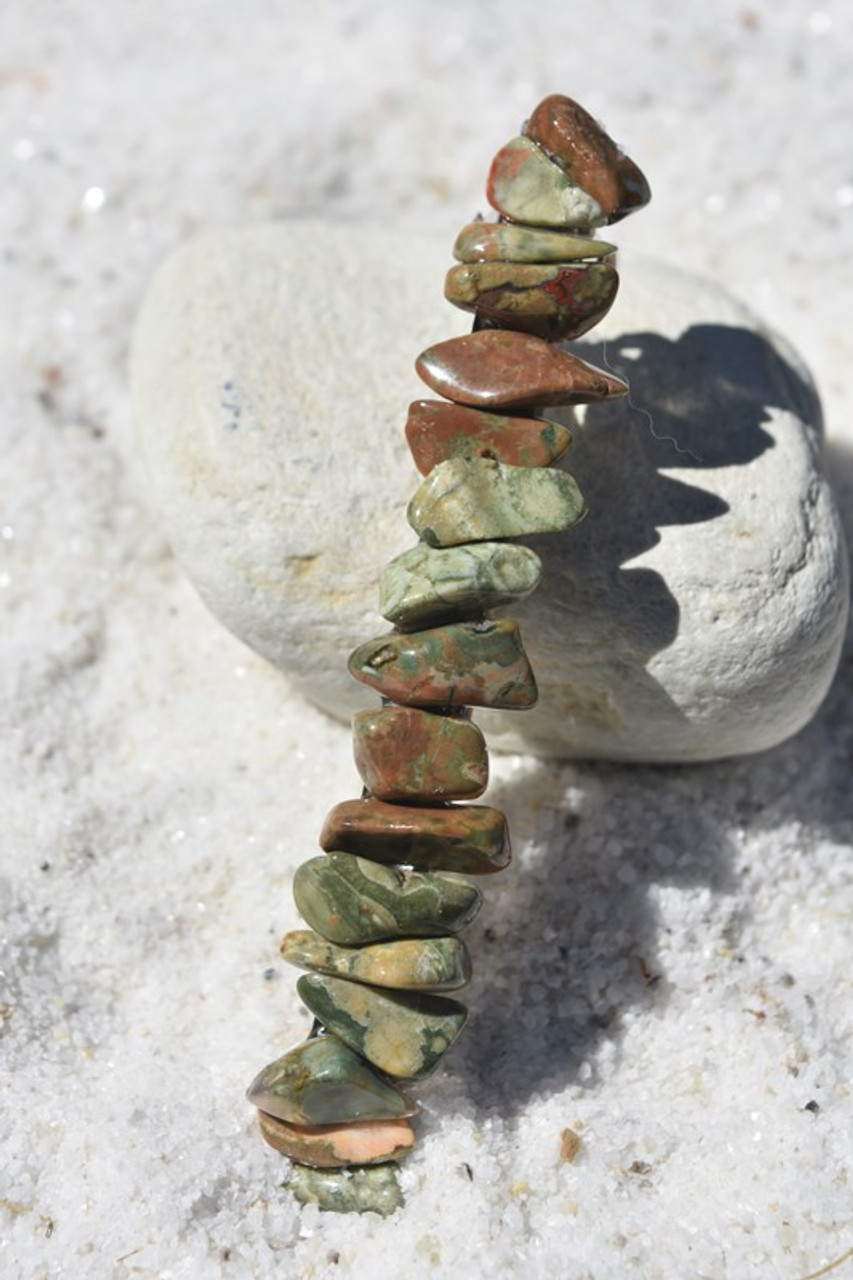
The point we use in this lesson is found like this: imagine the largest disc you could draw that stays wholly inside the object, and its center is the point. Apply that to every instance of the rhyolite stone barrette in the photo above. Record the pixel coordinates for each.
(388, 897)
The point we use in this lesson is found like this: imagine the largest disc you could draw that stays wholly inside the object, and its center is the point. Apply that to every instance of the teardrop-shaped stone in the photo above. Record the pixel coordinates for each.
(323, 1081)
(406, 754)
(409, 964)
(426, 585)
(337, 1146)
(470, 838)
(474, 499)
(525, 186)
(353, 900)
(372, 1189)
(474, 664)
(557, 301)
(588, 156)
(514, 242)
(497, 368)
(404, 1036)
(436, 431)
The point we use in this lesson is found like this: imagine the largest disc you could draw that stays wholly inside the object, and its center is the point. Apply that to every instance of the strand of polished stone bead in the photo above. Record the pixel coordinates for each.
(382, 947)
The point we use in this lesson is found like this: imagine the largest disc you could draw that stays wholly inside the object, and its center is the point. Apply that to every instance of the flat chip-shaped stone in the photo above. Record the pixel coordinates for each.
(407, 964)
(514, 242)
(588, 156)
(475, 499)
(324, 1081)
(497, 368)
(372, 1189)
(403, 1035)
(426, 585)
(557, 301)
(352, 900)
(475, 664)
(402, 753)
(472, 839)
(337, 1146)
(525, 186)
(436, 431)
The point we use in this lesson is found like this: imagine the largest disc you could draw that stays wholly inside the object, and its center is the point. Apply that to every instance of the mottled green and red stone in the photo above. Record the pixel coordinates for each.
(514, 242)
(499, 369)
(402, 753)
(556, 301)
(437, 430)
(474, 664)
(470, 838)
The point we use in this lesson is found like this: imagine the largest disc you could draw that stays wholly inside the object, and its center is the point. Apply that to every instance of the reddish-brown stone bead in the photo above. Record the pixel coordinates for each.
(470, 838)
(437, 431)
(474, 664)
(578, 144)
(497, 368)
(334, 1146)
(405, 754)
(556, 301)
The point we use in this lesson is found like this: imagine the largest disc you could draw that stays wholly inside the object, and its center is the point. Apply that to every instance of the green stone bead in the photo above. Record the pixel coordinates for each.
(464, 664)
(525, 186)
(374, 1189)
(406, 754)
(404, 1036)
(474, 499)
(426, 585)
(513, 242)
(471, 838)
(351, 900)
(409, 964)
(323, 1081)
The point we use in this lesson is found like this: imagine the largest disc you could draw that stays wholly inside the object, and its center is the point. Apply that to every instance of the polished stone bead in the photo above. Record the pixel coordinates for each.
(352, 900)
(405, 754)
(557, 301)
(323, 1081)
(338, 1146)
(474, 664)
(403, 1035)
(514, 242)
(500, 369)
(372, 1189)
(408, 964)
(590, 159)
(525, 186)
(427, 585)
(437, 430)
(464, 500)
(473, 839)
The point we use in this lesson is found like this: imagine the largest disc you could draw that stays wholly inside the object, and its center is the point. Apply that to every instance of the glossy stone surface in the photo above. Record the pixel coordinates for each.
(337, 1146)
(405, 754)
(473, 839)
(499, 369)
(472, 500)
(353, 901)
(373, 1189)
(404, 1036)
(409, 964)
(427, 585)
(323, 1081)
(437, 430)
(556, 301)
(514, 242)
(588, 156)
(525, 186)
(474, 664)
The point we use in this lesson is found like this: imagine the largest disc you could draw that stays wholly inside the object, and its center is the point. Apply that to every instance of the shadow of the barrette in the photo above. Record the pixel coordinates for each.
(578, 913)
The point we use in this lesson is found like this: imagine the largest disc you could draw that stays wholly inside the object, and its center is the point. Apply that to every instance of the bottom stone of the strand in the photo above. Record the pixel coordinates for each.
(362, 1189)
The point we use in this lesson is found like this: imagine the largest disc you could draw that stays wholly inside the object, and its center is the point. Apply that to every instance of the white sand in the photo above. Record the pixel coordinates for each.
(161, 784)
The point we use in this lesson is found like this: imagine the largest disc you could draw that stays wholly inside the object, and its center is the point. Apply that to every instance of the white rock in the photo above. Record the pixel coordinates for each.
(697, 612)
